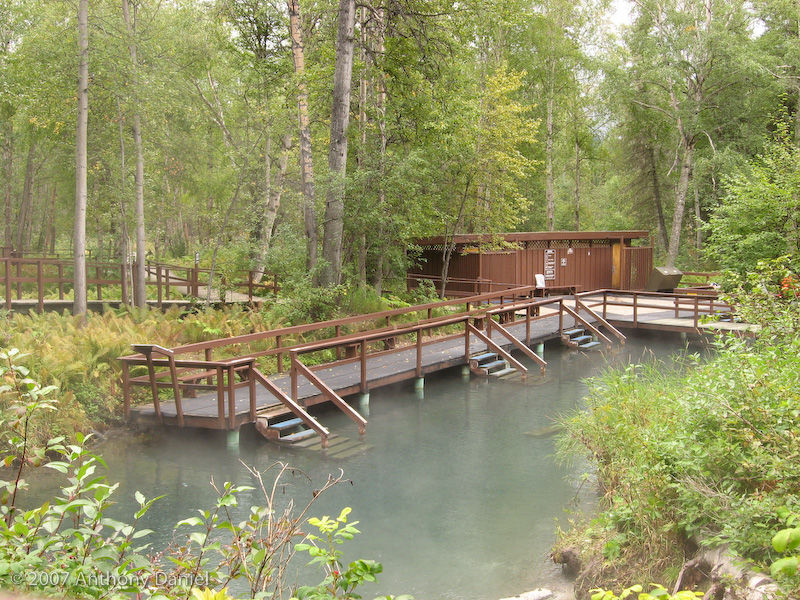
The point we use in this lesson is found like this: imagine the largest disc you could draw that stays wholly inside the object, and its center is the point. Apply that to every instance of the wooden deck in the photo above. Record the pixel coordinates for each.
(344, 377)
(515, 322)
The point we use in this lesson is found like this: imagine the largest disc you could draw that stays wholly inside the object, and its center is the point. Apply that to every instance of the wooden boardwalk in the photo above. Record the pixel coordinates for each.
(344, 377)
(511, 325)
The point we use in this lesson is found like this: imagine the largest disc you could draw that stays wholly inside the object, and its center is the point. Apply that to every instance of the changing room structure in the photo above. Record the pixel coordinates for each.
(569, 261)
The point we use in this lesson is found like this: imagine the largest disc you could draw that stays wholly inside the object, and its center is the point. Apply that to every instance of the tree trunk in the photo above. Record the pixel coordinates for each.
(8, 159)
(81, 170)
(140, 293)
(274, 194)
(26, 206)
(698, 221)
(550, 195)
(577, 185)
(124, 248)
(306, 163)
(681, 193)
(662, 223)
(333, 227)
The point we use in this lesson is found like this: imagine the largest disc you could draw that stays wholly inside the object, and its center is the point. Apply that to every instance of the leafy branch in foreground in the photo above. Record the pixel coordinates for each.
(70, 546)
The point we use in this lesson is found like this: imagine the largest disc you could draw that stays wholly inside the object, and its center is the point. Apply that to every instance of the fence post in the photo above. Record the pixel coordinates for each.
(123, 270)
(158, 285)
(60, 281)
(39, 286)
(7, 276)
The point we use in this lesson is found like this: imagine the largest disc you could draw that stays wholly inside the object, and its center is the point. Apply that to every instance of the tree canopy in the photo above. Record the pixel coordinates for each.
(210, 123)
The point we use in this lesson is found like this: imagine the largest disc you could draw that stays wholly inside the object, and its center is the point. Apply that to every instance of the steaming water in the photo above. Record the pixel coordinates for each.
(453, 497)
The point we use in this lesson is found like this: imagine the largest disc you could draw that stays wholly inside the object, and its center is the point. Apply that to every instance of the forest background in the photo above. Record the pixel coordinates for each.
(234, 126)
(317, 140)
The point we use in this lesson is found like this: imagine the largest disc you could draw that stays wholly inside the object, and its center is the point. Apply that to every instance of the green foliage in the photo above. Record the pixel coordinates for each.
(70, 546)
(699, 448)
(324, 550)
(757, 220)
(656, 593)
(768, 296)
(786, 541)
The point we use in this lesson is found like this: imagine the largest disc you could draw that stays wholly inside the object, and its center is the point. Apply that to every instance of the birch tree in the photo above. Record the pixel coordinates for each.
(81, 161)
(333, 226)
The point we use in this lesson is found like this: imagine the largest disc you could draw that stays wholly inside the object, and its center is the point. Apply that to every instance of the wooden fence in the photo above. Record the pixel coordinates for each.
(41, 279)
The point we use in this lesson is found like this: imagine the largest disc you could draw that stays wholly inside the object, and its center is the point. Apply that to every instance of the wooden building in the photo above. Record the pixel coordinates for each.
(564, 260)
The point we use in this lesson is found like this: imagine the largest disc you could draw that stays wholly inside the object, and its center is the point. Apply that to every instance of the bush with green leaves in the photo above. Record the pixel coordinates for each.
(657, 592)
(70, 546)
(700, 450)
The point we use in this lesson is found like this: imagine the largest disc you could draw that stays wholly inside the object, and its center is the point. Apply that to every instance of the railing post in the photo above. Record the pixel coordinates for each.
(418, 371)
(195, 291)
(39, 286)
(635, 309)
(126, 390)
(466, 340)
(337, 331)
(560, 316)
(364, 388)
(220, 397)
(528, 310)
(605, 304)
(278, 346)
(231, 397)
(251, 379)
(293, 374)
(250, 286)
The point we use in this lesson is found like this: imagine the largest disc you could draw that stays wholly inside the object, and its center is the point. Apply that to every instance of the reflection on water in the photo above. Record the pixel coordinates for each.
(453, 497)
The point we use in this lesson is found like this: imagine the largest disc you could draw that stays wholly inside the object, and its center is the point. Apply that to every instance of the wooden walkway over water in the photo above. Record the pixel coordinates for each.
(228, 392)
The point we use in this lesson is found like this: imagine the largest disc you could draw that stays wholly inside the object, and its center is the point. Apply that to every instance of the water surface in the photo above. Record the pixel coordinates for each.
(455, 496)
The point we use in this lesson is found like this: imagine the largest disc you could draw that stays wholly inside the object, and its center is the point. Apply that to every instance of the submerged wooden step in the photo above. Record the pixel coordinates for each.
(589, 346)
(281, 425)
(493, 365)
(505, 371)
(297, 437)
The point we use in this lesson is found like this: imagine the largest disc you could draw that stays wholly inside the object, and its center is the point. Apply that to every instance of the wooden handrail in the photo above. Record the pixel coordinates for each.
(293, 406)
(493, 326)
(490, 343)
(619, 335)
(587, 324)
(303, 370)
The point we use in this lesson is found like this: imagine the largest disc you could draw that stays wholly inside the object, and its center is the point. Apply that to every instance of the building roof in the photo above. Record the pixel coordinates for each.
(478, 238)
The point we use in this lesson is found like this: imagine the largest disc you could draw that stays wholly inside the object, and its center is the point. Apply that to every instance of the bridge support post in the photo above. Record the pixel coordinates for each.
(233, 439)
(540, 350)
(419, 387)
(465, 372)
(363, 404)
